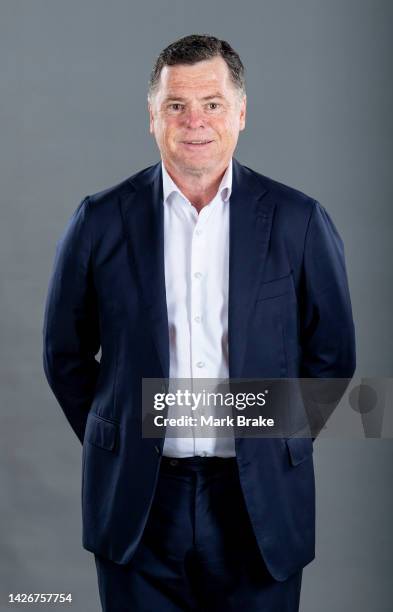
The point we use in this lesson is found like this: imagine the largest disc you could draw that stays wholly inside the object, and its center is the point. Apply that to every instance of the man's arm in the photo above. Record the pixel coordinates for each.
(326, 323)
(71, 323)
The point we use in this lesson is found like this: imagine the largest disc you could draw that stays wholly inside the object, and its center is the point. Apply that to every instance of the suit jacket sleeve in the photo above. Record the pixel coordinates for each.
(326, 322)
(71, 324)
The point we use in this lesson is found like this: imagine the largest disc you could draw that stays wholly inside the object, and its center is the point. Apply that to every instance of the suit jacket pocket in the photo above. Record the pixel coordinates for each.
(102, 432)
(275, 287)
(299, 449)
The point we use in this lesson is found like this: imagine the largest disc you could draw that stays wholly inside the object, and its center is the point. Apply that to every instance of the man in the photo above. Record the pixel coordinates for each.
(196, 267)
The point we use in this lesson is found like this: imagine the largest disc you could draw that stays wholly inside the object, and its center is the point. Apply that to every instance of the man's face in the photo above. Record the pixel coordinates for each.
(196, 115)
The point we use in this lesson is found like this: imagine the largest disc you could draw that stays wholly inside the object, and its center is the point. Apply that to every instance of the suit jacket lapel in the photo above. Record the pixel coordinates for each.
(143, 216)
(250, 219)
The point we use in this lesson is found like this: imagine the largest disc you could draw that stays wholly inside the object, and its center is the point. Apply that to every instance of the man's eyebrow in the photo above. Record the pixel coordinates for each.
(216, 95)
(171, 97)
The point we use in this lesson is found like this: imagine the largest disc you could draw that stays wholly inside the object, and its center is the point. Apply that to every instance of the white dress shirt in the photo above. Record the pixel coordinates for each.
(196, 251)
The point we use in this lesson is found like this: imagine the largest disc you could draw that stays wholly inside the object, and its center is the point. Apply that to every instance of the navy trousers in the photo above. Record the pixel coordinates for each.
(198, 551)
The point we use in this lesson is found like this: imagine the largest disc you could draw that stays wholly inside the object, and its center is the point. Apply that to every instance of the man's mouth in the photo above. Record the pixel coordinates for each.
(196, 143)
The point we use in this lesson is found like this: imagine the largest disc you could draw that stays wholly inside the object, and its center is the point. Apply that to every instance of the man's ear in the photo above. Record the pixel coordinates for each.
(151, 118)
(243, 111)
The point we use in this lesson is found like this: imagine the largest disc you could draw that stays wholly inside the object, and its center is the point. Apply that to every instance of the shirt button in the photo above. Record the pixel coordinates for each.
(197, 319)
(200, 364)
(198, 232)
(197, 275)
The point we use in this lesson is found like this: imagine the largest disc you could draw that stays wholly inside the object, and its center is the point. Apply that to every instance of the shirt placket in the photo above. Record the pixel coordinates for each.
(199, 271)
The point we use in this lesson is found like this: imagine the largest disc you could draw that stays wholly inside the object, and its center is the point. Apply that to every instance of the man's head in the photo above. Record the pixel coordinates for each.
(197, 104)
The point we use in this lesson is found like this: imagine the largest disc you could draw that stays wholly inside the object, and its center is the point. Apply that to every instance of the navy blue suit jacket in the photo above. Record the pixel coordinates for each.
(289, 316)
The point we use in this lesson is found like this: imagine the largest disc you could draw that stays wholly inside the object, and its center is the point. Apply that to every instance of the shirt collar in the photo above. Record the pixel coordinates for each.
(224, 189)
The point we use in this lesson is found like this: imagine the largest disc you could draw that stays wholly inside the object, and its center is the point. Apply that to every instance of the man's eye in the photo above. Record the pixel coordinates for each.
(213, 105)
(176, 106)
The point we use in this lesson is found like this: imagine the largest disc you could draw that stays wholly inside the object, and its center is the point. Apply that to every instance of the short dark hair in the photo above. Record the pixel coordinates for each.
(196, 48)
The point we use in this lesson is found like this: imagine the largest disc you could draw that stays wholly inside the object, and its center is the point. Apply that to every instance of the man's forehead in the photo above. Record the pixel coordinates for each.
(204, 95)
(212, 71)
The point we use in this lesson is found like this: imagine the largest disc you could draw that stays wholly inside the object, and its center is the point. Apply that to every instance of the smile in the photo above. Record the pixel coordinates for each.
(196, 143)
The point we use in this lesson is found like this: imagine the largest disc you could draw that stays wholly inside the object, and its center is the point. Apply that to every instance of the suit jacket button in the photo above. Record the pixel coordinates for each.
(157, 449)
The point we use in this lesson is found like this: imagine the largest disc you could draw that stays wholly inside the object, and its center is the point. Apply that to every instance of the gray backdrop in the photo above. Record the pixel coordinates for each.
(73, 122)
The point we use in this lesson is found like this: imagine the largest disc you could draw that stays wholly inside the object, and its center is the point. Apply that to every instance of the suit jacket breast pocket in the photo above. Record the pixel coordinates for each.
(275, 288)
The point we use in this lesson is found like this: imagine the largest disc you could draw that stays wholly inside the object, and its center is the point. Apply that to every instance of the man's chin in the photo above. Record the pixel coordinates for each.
(196, 168)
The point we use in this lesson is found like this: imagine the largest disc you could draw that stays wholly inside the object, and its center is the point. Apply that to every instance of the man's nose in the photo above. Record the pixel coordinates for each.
(194, 117)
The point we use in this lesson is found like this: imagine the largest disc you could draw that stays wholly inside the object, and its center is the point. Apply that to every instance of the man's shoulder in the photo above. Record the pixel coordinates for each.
(135, 181)
(283, 195)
